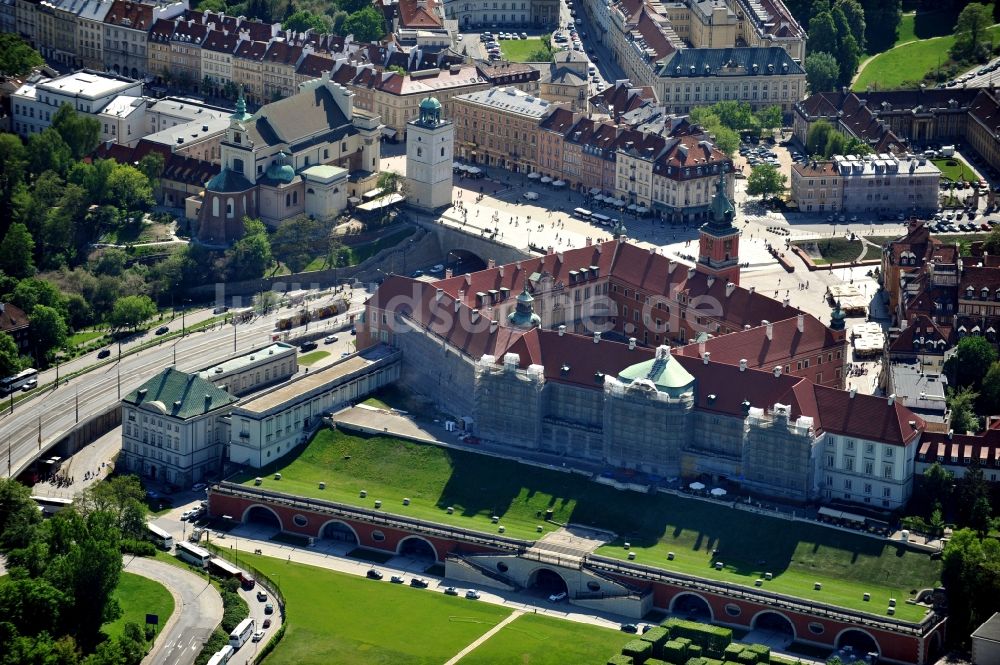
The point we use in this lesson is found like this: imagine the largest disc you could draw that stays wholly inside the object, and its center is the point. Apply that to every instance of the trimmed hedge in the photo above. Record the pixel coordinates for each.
(657, 636)
(639, 650)
(713, 639)
(763, 652)
(732, 652)
(693, 661)
(748, 657)
(694, 651)
(656, 661)
(675, 652)
(620, 659)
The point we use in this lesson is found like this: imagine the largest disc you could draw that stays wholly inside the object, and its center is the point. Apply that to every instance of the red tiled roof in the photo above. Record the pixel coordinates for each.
(419, 14)
(131, 15)
(866, 416)
(220, 42)
(622, 98)
(922, 327)
(559, 121)
(282, 53)
(314, 65)
(396, 84)
(759, 351)
(982, 448)
(12, 318)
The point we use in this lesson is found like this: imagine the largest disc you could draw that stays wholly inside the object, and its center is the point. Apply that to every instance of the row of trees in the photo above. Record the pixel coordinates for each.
(881, 19)
(728, 120)
(63, 573)
(837, 38)
(340, 17)
(974, 379)
(824, 141)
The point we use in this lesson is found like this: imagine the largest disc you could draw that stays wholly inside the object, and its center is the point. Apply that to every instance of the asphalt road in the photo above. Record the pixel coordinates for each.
(197, 611)
(45, 418)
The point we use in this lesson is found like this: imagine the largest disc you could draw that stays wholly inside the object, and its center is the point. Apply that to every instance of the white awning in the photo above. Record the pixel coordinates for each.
(372, 194)
(718, 491)
(697, 486)
(559, 183)
(642, 210)
(456, 165)
(546, 180)
(631, 206)
(388, 131)
(474, 169)
(353, 199)
(534, 176)
(599, 197)
(594, 190)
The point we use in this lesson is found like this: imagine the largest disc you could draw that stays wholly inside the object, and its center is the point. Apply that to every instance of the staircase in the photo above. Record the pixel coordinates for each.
(468, 562)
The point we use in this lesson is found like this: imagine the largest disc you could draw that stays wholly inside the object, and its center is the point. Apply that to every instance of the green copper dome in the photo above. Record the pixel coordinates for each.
(838, 317)
(281, 170)
(430, 104)
(523, 315)
(663, 371)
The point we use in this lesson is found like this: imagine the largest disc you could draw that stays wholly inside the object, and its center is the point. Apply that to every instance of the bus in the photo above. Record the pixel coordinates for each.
(23, 380)
(50, 505)
(160, 538)
(193, 554)
(603, 220)
(225, 570)
(222, 656)
(241, 633)
(582, 213)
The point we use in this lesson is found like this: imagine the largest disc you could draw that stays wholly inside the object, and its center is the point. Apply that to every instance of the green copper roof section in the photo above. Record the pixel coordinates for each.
(663, 370)
(241, 114)
(430, 104)
(721, 210)
(179, 394)
(524, 315)
(281, 170)
(838, 317)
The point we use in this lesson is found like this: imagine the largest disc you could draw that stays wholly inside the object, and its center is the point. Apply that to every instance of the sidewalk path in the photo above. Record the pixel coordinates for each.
(197, 611)
(485, 636)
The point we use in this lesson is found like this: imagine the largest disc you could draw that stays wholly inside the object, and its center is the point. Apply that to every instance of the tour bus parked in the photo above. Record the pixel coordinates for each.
(241, 633)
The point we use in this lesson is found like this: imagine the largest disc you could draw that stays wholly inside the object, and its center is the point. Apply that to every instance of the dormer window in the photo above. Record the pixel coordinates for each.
(237, 137)
(969, 292)
(984, 293)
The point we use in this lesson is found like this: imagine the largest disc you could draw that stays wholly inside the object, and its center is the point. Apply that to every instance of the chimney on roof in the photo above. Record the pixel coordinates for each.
(730, 287)
(550, 250)
(500, 270)
(753, 289)
(494, 324)
(562, 330)
(801, 323)
(913, 424)
(892, 399)
(491, 263)
(652, 250)
(559, 257)
(743, 364)
(631, 343)
(588, 241)
(701, 347)
(769, 328)
(448, 273)
(671, 264)
(474, 316)
(777, 371)
(705, 357)
(440, 294)
(597, 338)
(691, 272)
(458, 300)
(711, 280)
(784, 303)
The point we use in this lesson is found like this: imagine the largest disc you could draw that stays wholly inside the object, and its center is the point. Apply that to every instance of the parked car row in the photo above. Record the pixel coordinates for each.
(419, 583)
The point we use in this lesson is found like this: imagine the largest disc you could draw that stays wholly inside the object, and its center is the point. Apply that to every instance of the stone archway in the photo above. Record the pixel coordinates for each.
(774, 622)
(417, 548)
(693, 606)
(339, 531)
(264, 515)
(548, 581)
(860, 641)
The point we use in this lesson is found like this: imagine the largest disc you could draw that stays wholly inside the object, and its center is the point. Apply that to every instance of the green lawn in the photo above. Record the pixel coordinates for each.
(534, 639)
(835, 250)
(312, 357)
(520, 50)
(338, 618)
(910, 62)
(83, 337)
(138, 597)
(477, 486)
(953, 168)
(377, 403)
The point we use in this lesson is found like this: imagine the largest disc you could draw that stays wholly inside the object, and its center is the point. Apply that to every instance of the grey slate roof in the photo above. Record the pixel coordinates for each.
(296, 118)
(180, 394)
(710, 61)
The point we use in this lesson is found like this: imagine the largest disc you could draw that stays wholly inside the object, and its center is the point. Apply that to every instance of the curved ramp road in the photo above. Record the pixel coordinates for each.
(197, 611)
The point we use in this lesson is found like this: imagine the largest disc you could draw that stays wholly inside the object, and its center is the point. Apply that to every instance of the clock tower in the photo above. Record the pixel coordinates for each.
(430, 144)
(719, 240)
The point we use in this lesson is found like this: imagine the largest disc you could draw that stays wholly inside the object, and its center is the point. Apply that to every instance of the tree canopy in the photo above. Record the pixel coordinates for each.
(972, 359)
(365, 24)
(766, 180)
(131, 311)
(81, 133)
(17, 58)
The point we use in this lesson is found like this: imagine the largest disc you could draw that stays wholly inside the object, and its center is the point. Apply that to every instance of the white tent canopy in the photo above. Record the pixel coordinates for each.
(697, 486)
(718, 491)
(594, 190)
(546, 179)
(534, 176)
(559, 183)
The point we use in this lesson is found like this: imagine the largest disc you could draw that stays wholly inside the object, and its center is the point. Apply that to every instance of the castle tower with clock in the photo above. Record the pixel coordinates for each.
(430, 145)
(719, 240)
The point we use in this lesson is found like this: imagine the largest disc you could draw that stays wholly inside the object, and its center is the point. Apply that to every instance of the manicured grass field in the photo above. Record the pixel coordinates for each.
(835, 250)
(953, 168)
(312, 358)
(476, 485)
(910, 62)
(536, 639)
(138, 597)
(83, 337)
(520, 50)
(338, 618)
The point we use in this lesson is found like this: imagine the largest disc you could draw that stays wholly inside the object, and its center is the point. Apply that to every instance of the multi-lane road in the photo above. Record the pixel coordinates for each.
(43, 419)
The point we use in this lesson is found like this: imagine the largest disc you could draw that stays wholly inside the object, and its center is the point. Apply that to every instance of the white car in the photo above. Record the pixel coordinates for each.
(258, 636)
(530, 196)
(459, 38)
(556, 597)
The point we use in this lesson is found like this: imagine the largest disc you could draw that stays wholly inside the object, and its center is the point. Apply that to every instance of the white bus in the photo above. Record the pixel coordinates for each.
(160, 538)
(582, 213)
(50, 505)
(193, 554)
(222, 656)
(241, 633)
(23, 380)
